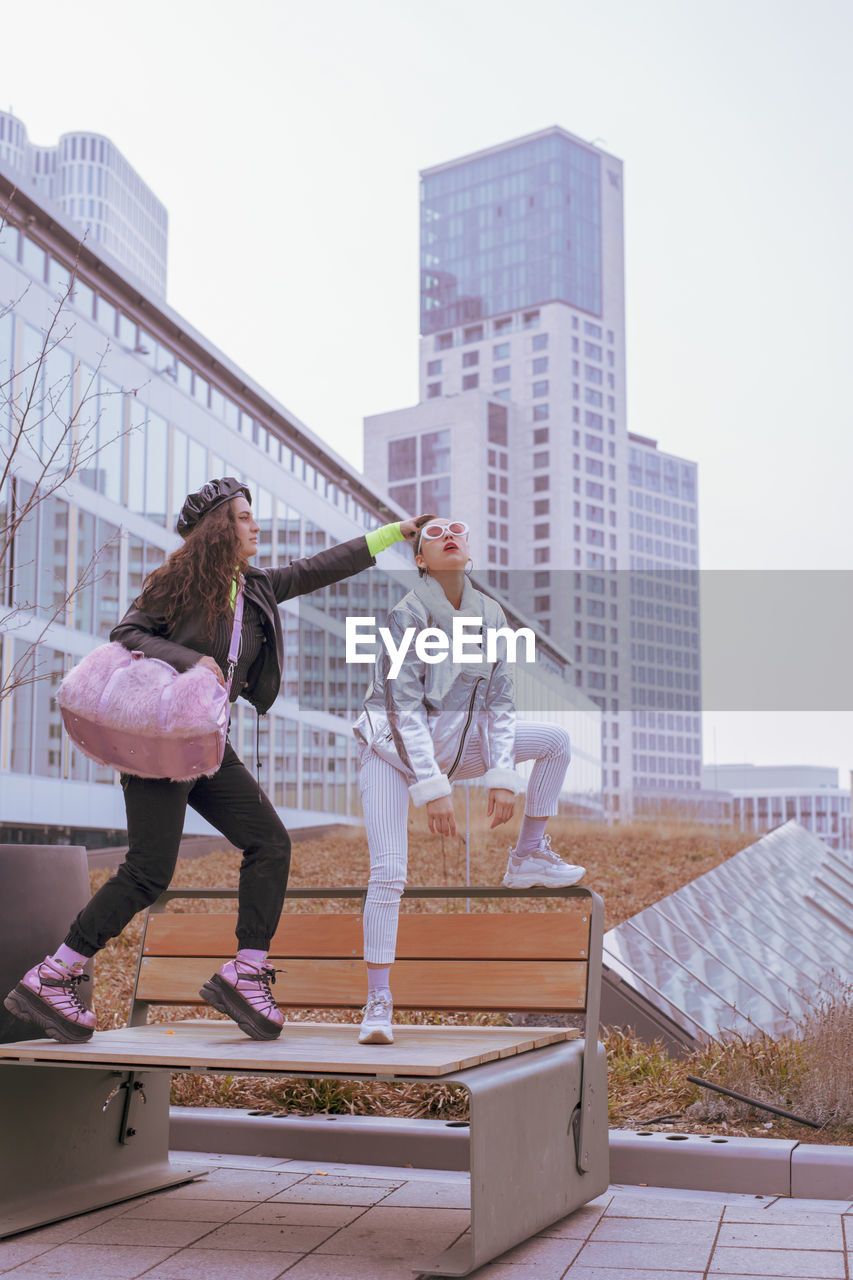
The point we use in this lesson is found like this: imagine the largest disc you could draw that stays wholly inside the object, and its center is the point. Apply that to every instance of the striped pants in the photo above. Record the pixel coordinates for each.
(385, 798)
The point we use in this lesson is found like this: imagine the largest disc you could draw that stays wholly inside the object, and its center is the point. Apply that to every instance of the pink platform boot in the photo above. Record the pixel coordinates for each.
(47, 995)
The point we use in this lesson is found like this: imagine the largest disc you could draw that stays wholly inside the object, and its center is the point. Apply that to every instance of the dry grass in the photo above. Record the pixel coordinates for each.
(632, 867)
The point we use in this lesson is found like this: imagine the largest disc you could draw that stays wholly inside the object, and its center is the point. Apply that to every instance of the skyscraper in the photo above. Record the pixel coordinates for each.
(89, 179)
(523, 307)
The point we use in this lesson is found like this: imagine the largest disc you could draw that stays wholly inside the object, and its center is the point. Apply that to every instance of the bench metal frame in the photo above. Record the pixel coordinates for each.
(83, 1135)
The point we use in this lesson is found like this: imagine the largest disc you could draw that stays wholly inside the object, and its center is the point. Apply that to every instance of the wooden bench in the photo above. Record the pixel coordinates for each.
(87, 1125)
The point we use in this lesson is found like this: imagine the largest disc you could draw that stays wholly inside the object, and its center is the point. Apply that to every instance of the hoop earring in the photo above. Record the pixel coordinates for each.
(469, 567)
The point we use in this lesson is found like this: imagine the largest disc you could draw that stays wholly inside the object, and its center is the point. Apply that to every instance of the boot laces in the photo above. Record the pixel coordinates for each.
(67, 984)
(262, 998)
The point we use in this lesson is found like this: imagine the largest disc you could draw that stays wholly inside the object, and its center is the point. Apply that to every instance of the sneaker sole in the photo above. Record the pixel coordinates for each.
(25, 1004)
(378, 1035)
(537, 882)
(220, 996)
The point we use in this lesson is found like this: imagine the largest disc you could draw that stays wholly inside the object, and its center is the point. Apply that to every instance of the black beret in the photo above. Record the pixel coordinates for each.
(209, 496)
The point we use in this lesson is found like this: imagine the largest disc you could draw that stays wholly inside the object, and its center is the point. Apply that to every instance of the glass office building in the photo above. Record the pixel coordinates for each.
(156, 411)
(89, 179)
(511, 228)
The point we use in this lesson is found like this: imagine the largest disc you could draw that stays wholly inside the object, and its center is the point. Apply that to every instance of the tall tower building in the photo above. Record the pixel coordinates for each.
(523, 308)
(89, 179)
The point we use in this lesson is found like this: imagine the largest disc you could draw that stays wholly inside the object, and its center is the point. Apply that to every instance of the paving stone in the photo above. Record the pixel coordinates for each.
(655, 1231)
(317, 1267)
(92, 1261)
(660, 1257)
(547, 1269)
(577, 1272)
(305, 1215)
(20, 1249)
(162, 1209)
(783, 1235)
(399, 1233)
(577, 1226)
(431, 1195)
(804, 1263)
(331, 1193)
(203, 1264)
(268, 1238)
(126, 1230)
(236, 1184)
(540, 1252)
(663, 1206)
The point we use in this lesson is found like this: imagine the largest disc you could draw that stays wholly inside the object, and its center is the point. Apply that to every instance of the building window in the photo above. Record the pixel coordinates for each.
(541, 484)
(435, 452)
(502, 325)
(402, 458)
(541, 531)
(433, 368)
(405, 495)
(592, 374)
(500, 351)
(498, 424)
(592, 330)
(541, 459)
(470, 358)
(541, 555)
(540, 342)
(540, 388)
(592, 351)
(443, 341)
(542, 579)
(433, 390)
(473, 334)
(540, 364)
(470, 381)
(435, 494)
(541, 604)
(501, 374)
(540, 435)
(540, 412)
(531, 319)
(592, 397)
(542, 507)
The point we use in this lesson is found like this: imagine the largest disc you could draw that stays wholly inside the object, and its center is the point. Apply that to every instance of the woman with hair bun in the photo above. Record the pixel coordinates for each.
(184, 616)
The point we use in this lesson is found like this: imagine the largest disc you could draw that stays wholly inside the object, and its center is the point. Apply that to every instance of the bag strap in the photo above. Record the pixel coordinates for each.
(234, 649)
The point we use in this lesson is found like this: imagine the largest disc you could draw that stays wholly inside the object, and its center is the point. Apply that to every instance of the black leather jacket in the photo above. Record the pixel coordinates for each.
(186, 642)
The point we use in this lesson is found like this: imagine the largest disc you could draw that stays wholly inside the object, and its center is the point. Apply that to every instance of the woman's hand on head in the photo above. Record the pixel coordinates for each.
(212, 665)
(501, 806)
(440, 816)
(411, 528)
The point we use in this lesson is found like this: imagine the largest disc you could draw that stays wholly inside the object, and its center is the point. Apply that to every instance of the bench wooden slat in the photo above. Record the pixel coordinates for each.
(434, 935)
(505, 985)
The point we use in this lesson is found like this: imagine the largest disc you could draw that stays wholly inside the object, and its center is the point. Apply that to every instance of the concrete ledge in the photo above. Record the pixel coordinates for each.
(694, 1162)
(691, 1162)
(822, 1173)
(386, 1140)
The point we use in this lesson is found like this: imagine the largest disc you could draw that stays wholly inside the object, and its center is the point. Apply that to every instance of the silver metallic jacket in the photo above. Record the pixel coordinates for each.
(421, 721)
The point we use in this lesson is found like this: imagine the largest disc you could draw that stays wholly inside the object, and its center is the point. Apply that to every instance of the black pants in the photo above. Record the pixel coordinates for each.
(156, 808)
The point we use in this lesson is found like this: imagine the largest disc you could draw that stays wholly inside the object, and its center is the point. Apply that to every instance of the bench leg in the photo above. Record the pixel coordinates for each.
(524, 1173)
(78, 1138)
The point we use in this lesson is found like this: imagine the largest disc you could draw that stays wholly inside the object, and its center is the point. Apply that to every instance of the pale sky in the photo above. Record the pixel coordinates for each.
(285, 140)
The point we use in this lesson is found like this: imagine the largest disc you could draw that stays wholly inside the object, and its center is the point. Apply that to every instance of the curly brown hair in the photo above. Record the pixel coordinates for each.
(199, 574)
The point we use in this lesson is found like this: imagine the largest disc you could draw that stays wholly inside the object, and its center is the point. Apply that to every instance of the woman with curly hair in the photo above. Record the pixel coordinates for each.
(184, 616)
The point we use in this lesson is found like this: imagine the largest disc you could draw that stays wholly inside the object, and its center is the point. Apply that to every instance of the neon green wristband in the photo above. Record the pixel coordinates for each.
(385, 536)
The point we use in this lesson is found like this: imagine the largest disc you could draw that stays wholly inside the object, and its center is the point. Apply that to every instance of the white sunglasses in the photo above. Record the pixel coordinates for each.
(436, 529)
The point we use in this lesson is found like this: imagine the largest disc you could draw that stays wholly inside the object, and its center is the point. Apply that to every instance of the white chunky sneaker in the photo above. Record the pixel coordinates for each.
(541, 867)
(376, 1018)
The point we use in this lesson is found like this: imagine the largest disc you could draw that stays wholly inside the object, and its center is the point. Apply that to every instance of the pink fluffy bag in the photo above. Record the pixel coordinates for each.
(143, 717)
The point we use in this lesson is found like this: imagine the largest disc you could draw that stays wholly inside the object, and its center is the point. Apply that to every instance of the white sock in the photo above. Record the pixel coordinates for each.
(530, 835)
(378, 979)
(64, 955)
(256, 958)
